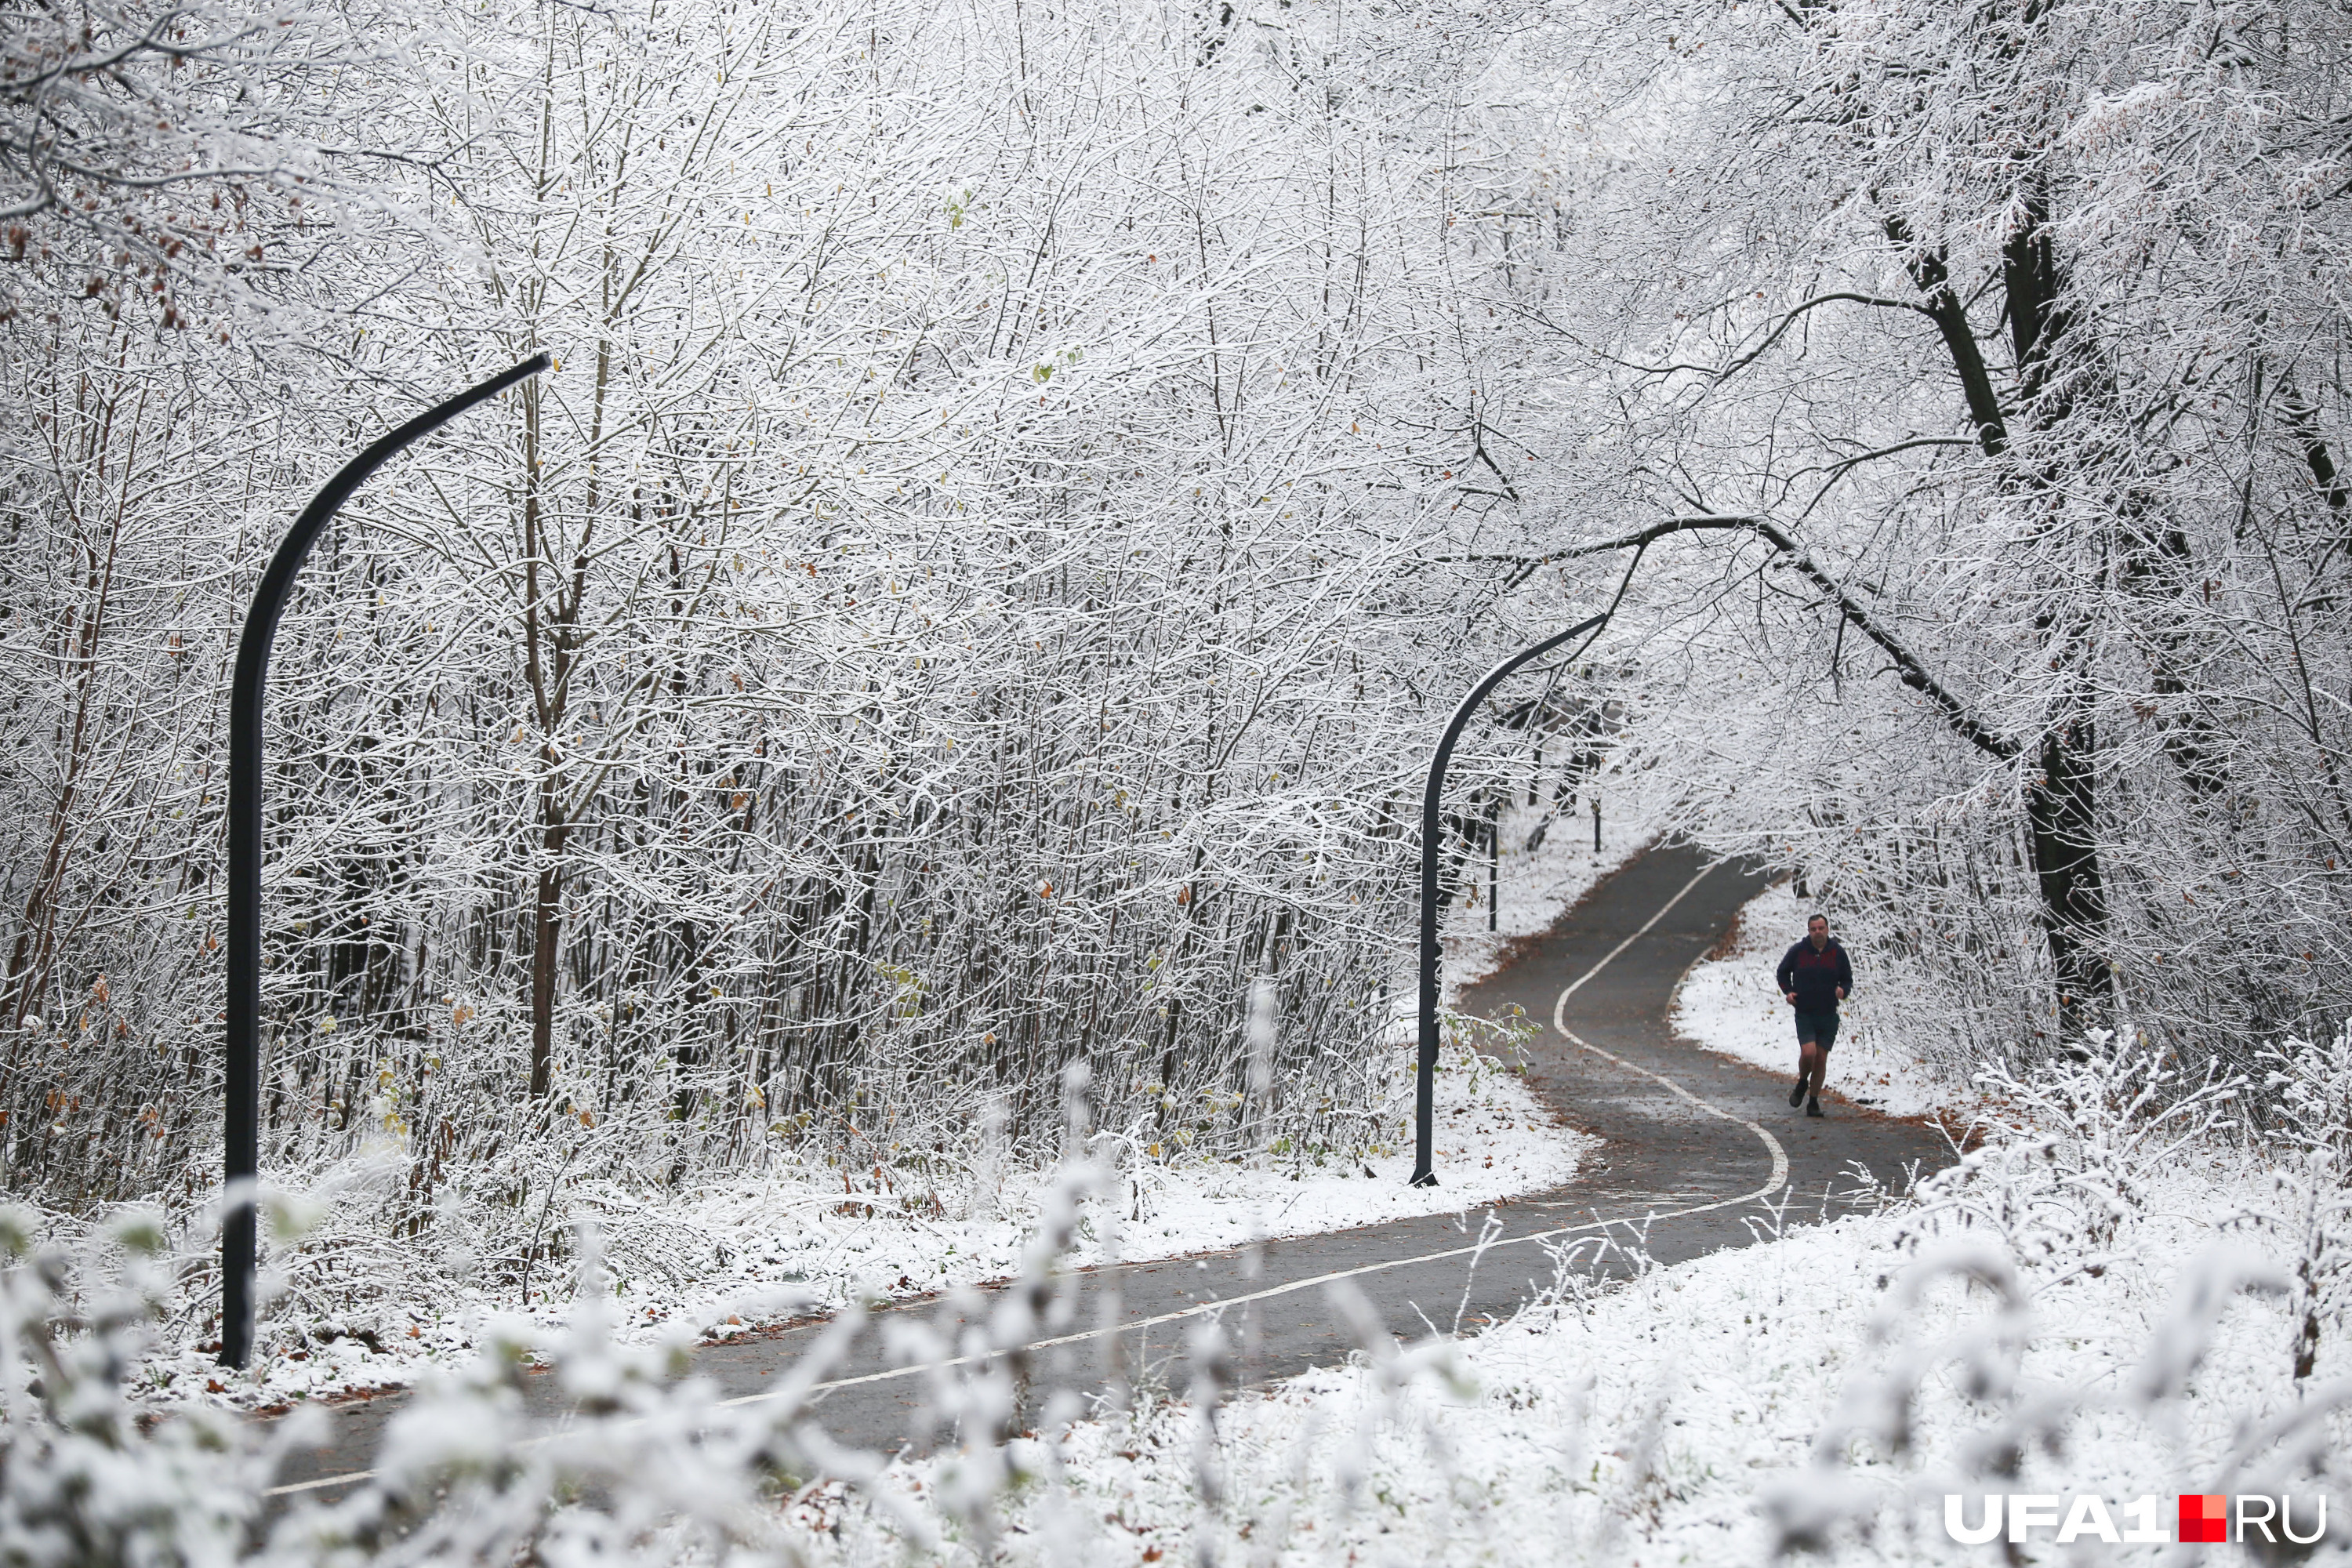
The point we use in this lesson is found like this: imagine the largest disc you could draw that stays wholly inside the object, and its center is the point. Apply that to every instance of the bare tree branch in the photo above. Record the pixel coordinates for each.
(1958, 713)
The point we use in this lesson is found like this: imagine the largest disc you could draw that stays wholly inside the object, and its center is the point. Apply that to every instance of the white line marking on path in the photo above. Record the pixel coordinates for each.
(1780, 1157)
(1560, 1022)
(1779, 1179)
(1560, 1007)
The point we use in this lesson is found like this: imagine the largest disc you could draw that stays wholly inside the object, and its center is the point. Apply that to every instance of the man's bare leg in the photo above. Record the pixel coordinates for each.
(1812, 1067)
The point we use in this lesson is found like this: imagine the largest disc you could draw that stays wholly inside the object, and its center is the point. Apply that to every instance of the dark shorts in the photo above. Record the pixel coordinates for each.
(1816, 1028)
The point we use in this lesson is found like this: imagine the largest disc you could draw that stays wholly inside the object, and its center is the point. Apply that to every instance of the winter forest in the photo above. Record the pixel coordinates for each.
(1022, 484)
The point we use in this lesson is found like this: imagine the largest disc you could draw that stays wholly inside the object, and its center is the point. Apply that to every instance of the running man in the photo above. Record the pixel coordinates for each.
(1814, 976)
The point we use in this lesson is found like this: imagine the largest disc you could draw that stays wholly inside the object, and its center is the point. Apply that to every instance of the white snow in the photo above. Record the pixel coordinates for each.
(1648, 1425)
(1494, 1140)
(1688, 1415)
(1730, 1004)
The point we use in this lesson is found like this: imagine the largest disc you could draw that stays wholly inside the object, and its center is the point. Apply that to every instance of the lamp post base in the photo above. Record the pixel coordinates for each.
(1423, 1179)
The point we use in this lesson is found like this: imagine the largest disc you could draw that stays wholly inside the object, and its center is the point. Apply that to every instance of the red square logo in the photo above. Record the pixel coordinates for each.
(2204, 1517)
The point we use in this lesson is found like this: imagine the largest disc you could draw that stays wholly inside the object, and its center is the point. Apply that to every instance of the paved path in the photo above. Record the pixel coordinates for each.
(1692, 1145)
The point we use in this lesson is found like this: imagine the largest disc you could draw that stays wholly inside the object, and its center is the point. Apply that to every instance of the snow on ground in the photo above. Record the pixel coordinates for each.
(1492, 1136)
(1729, 1002)
(1671, 1420)
(1692, 1413)
(798, 1238)
(1648, 1425)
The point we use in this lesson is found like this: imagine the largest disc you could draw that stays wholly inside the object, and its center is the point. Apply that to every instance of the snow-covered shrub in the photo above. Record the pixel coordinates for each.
(652, 1466)
(2309, 1092)
(2069, 1150)
(2063, 1191)
(82, 1481)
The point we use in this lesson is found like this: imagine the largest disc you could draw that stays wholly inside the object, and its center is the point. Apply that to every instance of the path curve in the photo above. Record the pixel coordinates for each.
(1664, 1178)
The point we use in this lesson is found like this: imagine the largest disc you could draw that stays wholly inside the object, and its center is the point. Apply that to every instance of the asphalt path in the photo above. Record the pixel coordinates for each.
(1697, 1153)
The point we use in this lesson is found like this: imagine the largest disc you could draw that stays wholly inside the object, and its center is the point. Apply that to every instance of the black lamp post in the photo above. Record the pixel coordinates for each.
(1425, 1084)
(242, 1143)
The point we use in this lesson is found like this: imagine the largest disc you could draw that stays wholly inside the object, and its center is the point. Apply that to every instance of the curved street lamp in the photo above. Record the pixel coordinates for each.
(1425, 1084)
(241, 1145)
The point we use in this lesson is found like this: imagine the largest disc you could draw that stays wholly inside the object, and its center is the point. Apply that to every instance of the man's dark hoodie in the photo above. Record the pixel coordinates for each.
(1815, 976)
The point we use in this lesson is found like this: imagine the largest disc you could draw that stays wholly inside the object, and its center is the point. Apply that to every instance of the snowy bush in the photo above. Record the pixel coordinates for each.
(2038, 1318)
(2069, 1187)
(652, 1466)
(83, 1479)
(2309, 1090)
(2069, 1152)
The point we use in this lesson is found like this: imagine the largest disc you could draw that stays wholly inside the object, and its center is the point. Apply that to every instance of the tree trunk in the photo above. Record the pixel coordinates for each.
(546, 947)
(2062, 800)
(2059, 814)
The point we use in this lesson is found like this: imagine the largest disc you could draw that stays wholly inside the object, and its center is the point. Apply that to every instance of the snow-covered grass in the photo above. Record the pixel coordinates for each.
(1729, 1002)
(814, 1233)
(2116, 1294)
(2091, 1308)
(1662, 1422)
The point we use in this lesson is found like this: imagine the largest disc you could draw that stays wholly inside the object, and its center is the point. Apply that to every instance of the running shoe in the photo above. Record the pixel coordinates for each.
(1797, 1095)
(1814, 1106)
